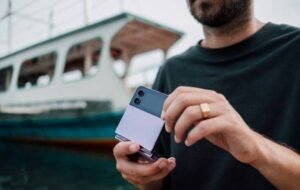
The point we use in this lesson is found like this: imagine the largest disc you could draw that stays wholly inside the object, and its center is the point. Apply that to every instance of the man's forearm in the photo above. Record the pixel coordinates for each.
(280, 165)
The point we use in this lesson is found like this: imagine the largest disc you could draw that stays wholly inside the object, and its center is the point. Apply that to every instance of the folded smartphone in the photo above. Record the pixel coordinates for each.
(141, 122)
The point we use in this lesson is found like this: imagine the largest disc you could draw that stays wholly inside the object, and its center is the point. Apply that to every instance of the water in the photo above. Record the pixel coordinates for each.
(32, 167)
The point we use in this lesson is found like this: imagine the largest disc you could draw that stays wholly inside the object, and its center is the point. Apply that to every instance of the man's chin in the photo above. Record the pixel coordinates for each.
(210, 21)
(218, 15)
(213, 24)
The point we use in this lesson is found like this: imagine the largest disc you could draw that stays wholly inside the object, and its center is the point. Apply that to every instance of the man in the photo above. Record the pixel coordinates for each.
(243, 98)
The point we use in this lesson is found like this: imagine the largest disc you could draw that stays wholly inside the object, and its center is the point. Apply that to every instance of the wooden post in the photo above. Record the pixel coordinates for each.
(88, 52)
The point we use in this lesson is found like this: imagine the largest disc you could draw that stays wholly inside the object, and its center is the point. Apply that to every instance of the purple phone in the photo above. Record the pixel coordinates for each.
(141, 121)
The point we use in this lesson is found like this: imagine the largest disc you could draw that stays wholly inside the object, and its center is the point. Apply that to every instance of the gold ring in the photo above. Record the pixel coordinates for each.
(205, 110)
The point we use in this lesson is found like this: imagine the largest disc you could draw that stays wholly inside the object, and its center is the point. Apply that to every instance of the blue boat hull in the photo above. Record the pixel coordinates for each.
(93, 128)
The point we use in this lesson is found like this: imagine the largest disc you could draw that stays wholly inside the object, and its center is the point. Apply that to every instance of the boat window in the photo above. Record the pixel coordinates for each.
(118, 63)
(144, 68)
(82, 60)
(5, 78)
(37, 71)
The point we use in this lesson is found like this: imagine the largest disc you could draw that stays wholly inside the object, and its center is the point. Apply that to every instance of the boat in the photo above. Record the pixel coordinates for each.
(66, 90)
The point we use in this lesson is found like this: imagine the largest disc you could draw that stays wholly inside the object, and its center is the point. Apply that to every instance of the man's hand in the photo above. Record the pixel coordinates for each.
(142, 174)
(224, 127)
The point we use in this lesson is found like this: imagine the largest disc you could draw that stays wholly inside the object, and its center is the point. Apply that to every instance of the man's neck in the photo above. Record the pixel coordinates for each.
(230, 34)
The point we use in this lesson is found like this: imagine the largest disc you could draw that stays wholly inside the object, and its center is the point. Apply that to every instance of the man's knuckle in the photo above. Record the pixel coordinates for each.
(226, 109)
(213, 92)
(182, 99)
(180, 89)
(167, 116)
(125, 177)
(222, 96)
(190, 112)
(210, 93)
(115, 150)
(218, 97)
(119, 167)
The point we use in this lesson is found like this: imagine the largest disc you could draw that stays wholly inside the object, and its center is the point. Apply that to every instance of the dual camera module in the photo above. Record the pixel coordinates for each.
(138, 100)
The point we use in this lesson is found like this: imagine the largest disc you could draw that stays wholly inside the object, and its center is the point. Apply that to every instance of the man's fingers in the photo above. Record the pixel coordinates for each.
(144, 180)
(136, 169)
(122, 149)
(203, 129)
(132, 171)
(183, 89)
(179, 104)
(159, 176)
(191, 115)
(175, 93)
(155, 177)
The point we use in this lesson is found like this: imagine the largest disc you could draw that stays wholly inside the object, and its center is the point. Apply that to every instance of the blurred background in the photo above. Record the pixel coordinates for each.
(67, 71)
(30, 21)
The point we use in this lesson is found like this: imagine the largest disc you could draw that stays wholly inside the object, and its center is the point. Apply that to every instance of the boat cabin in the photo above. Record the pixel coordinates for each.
(76, 70)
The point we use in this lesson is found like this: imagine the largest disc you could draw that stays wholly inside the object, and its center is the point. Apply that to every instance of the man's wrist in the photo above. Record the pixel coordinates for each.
(261, 153)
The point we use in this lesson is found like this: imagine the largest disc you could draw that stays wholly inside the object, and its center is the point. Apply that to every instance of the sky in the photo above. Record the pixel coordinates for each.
(68, 15)
(30, 21)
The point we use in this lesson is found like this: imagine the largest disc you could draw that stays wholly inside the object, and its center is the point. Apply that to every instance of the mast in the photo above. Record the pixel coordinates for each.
(51, 25)
(9, 26)
(86, 12)
(122, 5)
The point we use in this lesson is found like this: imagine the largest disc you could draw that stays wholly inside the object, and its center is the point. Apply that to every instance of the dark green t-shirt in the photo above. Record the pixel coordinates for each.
(260, 77)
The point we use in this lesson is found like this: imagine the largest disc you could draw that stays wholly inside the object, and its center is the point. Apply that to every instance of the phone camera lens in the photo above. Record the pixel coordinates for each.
(137, 101)
(141, 93)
